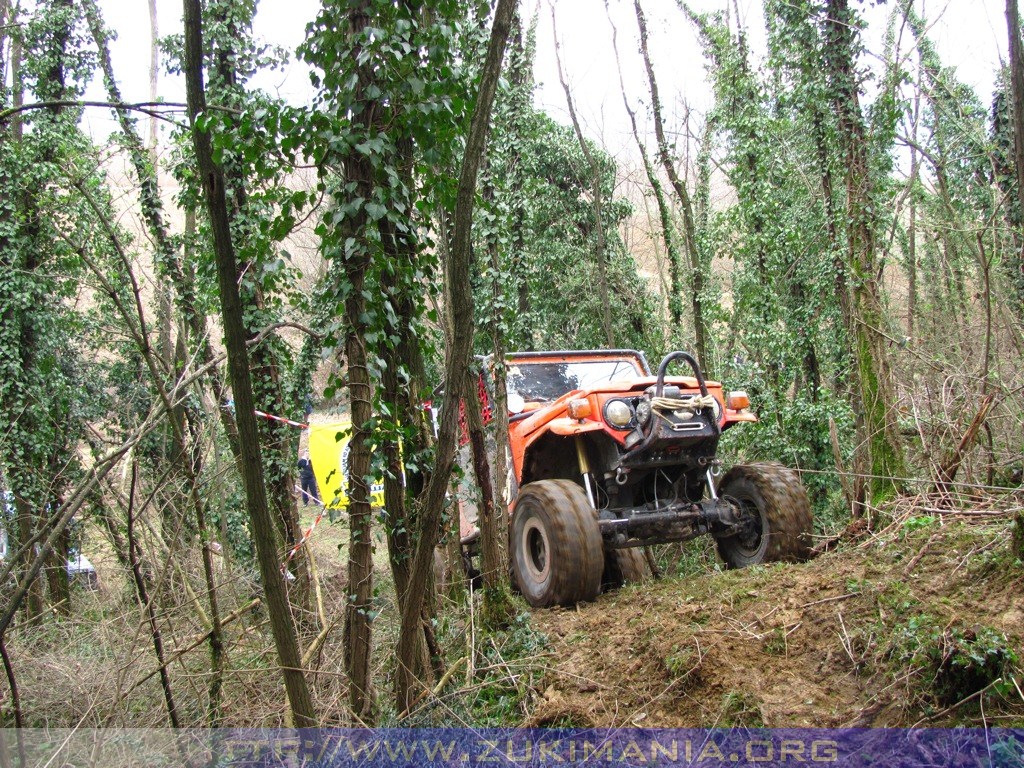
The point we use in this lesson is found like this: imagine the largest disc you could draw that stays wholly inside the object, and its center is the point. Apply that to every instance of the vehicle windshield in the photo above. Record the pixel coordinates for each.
(545, 381)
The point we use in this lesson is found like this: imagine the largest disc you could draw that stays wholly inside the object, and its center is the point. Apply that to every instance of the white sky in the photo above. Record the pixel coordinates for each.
(969, 34)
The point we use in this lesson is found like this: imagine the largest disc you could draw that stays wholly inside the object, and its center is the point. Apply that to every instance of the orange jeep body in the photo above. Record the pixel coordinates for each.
(607, 458)
(553, 417)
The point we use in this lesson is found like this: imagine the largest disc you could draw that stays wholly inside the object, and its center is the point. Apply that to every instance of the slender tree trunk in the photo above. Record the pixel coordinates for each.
(497, 609)
(12, 686)
(261, 526)
(154, 75)
(402, 381)
(358, 628)
(17, 85)
(693, 254)
(165, 298)
(884, 451)
(1017, 81)
(6, 19)
(915, 169)
(26, 517)
(58, 586)
(668, 235)
(280, 442)
(596, 192)
(520, 109)
(460, 296)
(1017, 85)
(493, 518)
(353, 263)
(147, 605)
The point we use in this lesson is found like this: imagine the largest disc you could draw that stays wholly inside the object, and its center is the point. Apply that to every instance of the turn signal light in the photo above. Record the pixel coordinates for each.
(579, 409)
(737, 401)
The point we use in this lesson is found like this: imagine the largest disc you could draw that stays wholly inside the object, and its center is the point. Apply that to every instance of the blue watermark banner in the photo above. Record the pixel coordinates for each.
(522, 748)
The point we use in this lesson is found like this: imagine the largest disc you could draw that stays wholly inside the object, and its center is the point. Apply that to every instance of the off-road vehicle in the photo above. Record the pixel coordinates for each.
(608, 458)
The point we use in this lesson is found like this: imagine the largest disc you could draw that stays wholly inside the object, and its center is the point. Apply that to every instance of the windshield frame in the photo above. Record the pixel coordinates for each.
(544, 389)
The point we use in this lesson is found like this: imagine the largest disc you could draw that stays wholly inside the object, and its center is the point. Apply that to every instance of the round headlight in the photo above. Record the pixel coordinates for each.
(618, 413)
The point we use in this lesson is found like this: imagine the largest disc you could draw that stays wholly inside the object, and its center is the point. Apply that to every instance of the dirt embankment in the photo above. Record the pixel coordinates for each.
(921, 624)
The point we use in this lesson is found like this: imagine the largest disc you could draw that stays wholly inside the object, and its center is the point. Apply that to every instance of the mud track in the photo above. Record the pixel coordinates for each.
(845, 639)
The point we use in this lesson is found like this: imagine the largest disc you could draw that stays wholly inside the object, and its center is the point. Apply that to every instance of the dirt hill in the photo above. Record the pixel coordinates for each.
(921, 623)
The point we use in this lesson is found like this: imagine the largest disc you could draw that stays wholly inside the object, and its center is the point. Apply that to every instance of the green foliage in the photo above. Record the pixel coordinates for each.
(544, 222)
(918, 522)
(47, 383)
(785, 339)
(510, 666)
(955, 661)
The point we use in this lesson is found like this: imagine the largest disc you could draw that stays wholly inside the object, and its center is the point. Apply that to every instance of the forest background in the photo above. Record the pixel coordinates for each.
(834, 227)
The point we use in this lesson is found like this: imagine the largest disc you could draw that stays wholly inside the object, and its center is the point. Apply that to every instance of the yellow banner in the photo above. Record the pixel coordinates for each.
(328, 450)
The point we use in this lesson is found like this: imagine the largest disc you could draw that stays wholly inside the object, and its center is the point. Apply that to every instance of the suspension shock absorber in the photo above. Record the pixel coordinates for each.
(714, 468)
(584, 462)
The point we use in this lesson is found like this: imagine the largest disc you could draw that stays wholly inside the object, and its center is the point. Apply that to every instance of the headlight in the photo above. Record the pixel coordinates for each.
(618, 413)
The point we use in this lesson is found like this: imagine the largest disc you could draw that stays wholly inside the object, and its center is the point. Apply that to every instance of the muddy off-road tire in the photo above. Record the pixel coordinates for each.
(625, 566)
(557, 555)
(780, 522)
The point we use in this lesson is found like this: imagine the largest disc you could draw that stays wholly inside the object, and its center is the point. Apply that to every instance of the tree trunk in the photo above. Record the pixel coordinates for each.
(520, 108)
(358, 627)
(1017, 84)
(595, 183)
(6, 19)
(26, 517)
(402, 487)
(460, 297)
(280, 442)
(17, 84)
(915, 168)
(693, 254)
(884, 451)
(147, 605)
(497, 608)
(261, 526)
(497, 604)
(154, 74)
(58, 586)
(668, 235)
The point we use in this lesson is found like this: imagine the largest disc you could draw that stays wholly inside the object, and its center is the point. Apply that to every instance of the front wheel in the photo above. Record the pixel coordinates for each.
(557, 555)
(775, 516)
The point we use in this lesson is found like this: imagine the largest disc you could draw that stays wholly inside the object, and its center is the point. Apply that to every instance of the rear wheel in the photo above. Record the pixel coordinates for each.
(625, 566)
(557, 556)
(775, 516)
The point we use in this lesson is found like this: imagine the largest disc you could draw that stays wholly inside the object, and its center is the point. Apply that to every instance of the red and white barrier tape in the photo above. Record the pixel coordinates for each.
(230, 405)
(281, 419)
(304, 539)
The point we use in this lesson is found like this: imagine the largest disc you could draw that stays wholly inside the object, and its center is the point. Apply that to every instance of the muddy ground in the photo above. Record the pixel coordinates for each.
(898, 628)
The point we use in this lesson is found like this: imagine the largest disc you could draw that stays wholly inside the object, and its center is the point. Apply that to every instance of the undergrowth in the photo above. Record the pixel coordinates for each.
(508, 665)
(951, 662)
